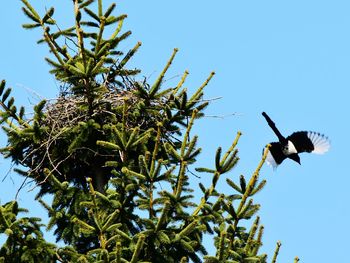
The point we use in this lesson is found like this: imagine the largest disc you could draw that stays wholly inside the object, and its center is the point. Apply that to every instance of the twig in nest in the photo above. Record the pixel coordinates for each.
(8, 172)
(21, 187)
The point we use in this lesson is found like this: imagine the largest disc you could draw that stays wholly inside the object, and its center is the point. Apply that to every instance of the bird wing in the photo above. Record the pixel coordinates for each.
(309, 141)
(275, 155)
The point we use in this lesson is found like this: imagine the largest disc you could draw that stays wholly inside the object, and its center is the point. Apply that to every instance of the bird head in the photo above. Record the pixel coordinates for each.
(295, 157)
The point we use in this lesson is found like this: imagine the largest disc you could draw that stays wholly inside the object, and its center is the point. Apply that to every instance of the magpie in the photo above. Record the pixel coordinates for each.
(297, 142)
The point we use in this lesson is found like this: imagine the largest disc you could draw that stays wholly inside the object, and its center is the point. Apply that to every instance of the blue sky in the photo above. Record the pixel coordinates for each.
(288, 58)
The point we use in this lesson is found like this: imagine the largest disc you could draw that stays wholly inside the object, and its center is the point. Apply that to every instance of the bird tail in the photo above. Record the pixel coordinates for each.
(273, 127)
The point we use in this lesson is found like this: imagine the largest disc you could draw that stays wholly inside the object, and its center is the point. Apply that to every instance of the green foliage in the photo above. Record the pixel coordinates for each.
(24, 242)
(115, 153)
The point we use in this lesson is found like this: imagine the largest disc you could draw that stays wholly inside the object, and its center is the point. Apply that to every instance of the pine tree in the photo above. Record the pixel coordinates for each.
(114, 152)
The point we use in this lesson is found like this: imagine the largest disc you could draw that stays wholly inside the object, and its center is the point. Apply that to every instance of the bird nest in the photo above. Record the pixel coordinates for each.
(69, 110)
(61, 116)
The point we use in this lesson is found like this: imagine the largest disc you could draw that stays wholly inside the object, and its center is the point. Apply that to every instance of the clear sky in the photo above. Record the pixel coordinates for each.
(288, 58)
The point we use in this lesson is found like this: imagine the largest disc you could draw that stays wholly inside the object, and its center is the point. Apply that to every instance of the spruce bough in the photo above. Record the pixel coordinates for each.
(115, 152)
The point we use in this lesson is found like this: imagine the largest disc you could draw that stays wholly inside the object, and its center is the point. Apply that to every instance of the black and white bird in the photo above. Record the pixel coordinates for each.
(297, 142)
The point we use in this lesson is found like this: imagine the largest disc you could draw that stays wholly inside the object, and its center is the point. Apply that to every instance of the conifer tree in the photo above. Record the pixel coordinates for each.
(114, 152)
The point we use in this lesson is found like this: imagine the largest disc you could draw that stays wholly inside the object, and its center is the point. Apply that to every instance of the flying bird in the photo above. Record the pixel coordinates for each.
(297, 142)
